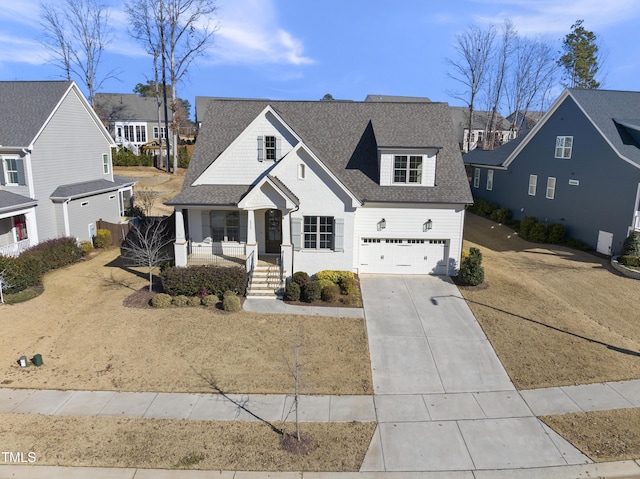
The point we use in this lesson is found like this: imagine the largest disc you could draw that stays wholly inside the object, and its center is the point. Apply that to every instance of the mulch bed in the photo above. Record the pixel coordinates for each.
(139, 299)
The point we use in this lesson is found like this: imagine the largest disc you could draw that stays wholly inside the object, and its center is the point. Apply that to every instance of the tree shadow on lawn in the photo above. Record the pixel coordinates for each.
(434, 301)
(122, 264)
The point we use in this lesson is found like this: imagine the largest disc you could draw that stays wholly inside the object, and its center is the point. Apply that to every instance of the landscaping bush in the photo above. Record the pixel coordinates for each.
(526, 225)
(161, 300)
(55, 253)
(333, 275)
(85, 247)
(538, 233)
(210, 300)
(124, 157)
(483, 207)
(555, 233)
(292, 292)
(231, 303)
(630, 261)
(15, 276)
(183, 157)
(193, 301)
(501, 215)
(330, 293)
(216, 280)
(324, 282)
(631, 245)
(471, 270)
(301, 278)
(180, 300)
(103, 238)
(348, 285)
(311, 292)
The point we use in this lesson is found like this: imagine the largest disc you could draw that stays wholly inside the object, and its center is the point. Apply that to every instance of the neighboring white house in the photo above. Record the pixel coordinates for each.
(367, 187)
(56, 176)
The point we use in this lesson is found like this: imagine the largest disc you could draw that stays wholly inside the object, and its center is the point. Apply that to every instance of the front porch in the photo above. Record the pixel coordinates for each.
(17, 232)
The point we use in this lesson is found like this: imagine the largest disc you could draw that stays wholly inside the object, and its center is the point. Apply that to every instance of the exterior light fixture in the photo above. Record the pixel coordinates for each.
(427, 226)
(382, 224)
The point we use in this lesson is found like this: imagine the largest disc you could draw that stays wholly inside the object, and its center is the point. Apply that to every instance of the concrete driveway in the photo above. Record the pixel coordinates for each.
(443, 400)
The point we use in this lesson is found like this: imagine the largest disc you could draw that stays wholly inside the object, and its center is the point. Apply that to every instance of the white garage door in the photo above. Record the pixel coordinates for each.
(403, 256)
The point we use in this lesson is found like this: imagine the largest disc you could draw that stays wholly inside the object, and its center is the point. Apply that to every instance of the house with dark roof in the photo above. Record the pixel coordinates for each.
(368, 187)
(578, 166)
(56, 176)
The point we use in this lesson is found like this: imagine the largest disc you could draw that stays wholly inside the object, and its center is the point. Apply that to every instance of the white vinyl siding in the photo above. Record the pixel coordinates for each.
(476, 178)
(564, 145)
(490, 180)
(551, 188)
(533, 184)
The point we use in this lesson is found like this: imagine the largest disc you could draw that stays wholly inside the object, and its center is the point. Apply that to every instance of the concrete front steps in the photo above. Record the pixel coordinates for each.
(265, 282)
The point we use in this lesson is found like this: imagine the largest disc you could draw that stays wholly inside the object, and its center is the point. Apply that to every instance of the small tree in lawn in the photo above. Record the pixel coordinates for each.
(145, 245)
(471, 270)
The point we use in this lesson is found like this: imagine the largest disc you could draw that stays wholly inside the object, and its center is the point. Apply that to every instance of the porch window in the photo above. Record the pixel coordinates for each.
(318, 232)
(225, 226)
(141, 134)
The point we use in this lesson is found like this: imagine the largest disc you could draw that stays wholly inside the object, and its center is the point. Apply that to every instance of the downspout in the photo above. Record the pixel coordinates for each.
(29, 172)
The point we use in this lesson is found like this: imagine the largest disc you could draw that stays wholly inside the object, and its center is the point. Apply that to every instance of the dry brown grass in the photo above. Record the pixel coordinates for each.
(554, 315)
(165, 185)
(181, 444)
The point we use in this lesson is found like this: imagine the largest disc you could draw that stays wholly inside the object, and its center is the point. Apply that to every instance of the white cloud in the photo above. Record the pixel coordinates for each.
(249, 33)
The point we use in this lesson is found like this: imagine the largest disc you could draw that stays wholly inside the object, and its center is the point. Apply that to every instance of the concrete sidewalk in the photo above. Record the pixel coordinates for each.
(270, 305)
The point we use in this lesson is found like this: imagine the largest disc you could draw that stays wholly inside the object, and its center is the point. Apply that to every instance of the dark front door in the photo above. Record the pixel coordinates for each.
(273, 231)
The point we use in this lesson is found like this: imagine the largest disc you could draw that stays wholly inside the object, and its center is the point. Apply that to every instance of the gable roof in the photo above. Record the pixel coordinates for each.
(345, 137)
(127, 107)
(25, 106)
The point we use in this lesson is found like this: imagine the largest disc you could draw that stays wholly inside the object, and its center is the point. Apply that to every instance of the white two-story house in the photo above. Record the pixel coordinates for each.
(56, 176)
(369, 187)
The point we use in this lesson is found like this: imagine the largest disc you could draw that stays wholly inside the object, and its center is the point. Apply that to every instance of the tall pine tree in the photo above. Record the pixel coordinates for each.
(580, 58)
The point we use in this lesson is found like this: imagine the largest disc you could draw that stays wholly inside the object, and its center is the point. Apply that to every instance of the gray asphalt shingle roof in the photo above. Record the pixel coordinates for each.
(495, 157)
(24, 108)
(345, 136)
(10, 201)
(87, 188)
(127, 107)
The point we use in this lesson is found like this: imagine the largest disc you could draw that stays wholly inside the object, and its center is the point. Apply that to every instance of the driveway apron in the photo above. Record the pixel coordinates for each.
(443, 400)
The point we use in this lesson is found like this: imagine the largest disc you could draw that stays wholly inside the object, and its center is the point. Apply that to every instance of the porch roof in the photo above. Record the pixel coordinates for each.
(217, 195)
(12, 201)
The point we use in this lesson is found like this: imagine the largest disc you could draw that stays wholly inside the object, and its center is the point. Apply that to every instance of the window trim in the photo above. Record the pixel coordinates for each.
(489, 180)
(563, 151)
(476, 177)
(533, 185)
(8, 172)
(105, 164)
(315, 239)
(551, 190)
(407, 170)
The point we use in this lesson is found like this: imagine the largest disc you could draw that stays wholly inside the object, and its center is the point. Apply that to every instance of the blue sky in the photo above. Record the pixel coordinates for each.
(301, 50)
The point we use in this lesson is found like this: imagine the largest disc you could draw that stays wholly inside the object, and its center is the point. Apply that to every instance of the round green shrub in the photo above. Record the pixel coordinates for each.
(330, 293)
(471, 270)
(301, 278)
(501, 215)
(231, 303)
(180, 300)
(324, 282)
(631, 245)
(193, 301)
(555, 233)
(334, 275)
(292, 292)
(526, 225)
(85, 247)
(210, 300)
(348, 285)
(161, 300)
(311, 292)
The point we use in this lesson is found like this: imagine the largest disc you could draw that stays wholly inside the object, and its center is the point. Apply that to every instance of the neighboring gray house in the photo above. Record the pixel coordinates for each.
(359, 186)
(132, 120)
(578, 166)
(56, 176)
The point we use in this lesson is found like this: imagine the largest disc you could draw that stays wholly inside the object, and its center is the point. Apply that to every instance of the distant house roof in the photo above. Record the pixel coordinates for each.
(345, 136)
(127, 107)
(495, 157)
(25, 107)
(397, 99)
(88, 188)
(12, 201)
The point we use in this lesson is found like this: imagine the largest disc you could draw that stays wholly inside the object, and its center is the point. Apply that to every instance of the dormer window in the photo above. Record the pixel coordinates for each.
(407, 169)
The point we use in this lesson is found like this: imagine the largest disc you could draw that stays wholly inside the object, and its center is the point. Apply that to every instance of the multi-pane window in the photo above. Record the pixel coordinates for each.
(490, 180)
(564, 144)
(141, 134)
(225, 226)
(407, 169)
(162, 132)
(105, 164)
(11, 170)
(318, 232)
(533, 184)
(476, 178)
(270, 147)
(551, 188)
(128, 132)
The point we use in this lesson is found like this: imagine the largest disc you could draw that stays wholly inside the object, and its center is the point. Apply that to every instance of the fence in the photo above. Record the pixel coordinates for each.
(118, 231)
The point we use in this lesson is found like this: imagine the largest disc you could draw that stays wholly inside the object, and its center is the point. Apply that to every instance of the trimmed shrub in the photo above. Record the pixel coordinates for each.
(538, 233)
(86, 247)
(301, 278)
(324, 282)
(501, 215)
(103, 238)
(630, 261)
(311, 292)
(54, 254)
(124, 157)
(526, 225)
(333, 275)
(555, 233)
(292, 292)
(471, 270)
(231, 303)
(330, 293)
(216, 280)
(161, 300)
(483, 207)
(348, 285)
(210, 300)
(631, 245)
(193, 301)
(180, 300)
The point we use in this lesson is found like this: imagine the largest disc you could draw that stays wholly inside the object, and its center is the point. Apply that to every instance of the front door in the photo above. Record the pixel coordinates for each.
(273, 231)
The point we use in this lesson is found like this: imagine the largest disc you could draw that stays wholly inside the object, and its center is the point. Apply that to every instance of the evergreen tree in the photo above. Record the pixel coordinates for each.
(580, 58)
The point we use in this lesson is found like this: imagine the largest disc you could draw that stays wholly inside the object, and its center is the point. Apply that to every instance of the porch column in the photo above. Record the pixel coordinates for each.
(32, 227)
(180, 246)
(286, 249)
(251, 250)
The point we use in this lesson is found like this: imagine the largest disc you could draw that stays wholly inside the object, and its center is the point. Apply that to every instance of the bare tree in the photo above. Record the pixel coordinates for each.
(181, 31)
(145, 246)
(473, 48)
(146, 199)
(77, 33)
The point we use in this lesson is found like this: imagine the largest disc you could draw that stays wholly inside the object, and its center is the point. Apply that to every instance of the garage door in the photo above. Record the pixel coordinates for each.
(403, 256)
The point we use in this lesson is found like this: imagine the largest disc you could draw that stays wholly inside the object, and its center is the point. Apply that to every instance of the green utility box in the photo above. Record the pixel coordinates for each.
(37, 360)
